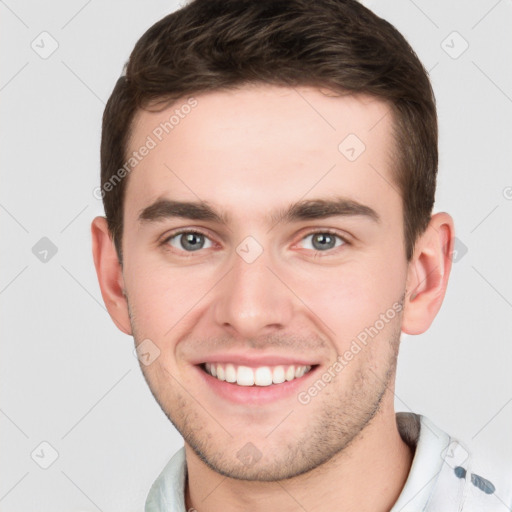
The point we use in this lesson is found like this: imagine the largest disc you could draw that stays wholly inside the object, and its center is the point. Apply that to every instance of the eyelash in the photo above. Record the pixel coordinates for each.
(316, 252)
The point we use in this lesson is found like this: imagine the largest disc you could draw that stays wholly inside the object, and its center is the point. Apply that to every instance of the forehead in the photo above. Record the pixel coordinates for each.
(261, 145)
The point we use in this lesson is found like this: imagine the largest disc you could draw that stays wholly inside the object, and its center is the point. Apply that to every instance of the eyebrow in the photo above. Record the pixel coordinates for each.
(303, 210)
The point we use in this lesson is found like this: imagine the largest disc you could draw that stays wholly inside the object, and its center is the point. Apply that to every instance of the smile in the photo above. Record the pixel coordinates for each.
(259, 376)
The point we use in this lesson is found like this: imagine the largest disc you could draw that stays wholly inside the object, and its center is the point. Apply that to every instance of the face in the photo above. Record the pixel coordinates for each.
(264, 261)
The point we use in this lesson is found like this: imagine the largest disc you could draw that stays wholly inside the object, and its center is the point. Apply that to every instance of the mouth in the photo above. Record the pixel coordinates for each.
(258, 376)
(255, 385)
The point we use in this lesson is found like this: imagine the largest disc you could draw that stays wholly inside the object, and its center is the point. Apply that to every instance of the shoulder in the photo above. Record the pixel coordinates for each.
(469, 480)
(167, 494)
(488, 483)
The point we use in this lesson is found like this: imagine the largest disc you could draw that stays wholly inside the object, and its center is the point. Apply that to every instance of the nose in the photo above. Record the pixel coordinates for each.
(253, 300)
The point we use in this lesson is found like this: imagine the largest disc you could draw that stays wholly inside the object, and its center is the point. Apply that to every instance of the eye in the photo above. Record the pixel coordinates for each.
(323, 241)
(188, 241)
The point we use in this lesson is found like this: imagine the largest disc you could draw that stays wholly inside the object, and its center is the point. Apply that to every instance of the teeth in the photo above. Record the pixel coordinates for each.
(278, 375)
(290, 373)
(299, 372)
(245, 376)
(261, 376)
(230, 373)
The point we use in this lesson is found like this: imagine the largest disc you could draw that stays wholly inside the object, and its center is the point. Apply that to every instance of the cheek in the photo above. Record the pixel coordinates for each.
(353, 296)
(161, 295)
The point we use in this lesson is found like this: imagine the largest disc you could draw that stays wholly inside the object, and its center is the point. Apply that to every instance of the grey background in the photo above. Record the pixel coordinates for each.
(69, 377)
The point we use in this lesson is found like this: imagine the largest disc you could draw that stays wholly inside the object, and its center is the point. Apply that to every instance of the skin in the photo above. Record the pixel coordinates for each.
(247, 152)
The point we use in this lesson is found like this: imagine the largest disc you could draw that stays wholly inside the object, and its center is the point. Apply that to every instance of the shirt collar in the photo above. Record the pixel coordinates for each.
(167, 494)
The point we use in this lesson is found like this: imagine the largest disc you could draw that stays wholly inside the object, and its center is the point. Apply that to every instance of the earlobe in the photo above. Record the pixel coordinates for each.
(110, 275)
(428, 274)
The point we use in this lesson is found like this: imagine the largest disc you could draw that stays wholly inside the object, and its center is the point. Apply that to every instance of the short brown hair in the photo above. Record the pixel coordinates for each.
(336, 44)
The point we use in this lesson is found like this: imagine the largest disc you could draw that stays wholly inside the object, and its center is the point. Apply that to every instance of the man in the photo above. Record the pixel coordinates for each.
(268, 177)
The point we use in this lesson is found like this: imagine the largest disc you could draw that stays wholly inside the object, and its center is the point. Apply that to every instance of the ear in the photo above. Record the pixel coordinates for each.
(110, 274)
(427, 275)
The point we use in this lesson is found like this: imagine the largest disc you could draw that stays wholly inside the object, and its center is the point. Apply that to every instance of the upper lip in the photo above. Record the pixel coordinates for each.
(256, 361)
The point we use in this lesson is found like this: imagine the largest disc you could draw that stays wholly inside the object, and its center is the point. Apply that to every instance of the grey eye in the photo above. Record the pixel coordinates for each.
(323, 241)
(189, 241)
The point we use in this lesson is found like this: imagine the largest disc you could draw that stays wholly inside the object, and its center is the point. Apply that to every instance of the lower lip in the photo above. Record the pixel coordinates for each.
(255, 395)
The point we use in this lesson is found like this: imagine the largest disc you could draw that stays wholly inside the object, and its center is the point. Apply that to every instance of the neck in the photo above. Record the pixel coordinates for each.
(368, 475)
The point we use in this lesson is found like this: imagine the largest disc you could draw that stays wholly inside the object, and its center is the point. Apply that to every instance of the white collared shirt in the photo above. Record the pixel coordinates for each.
(443, 476)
